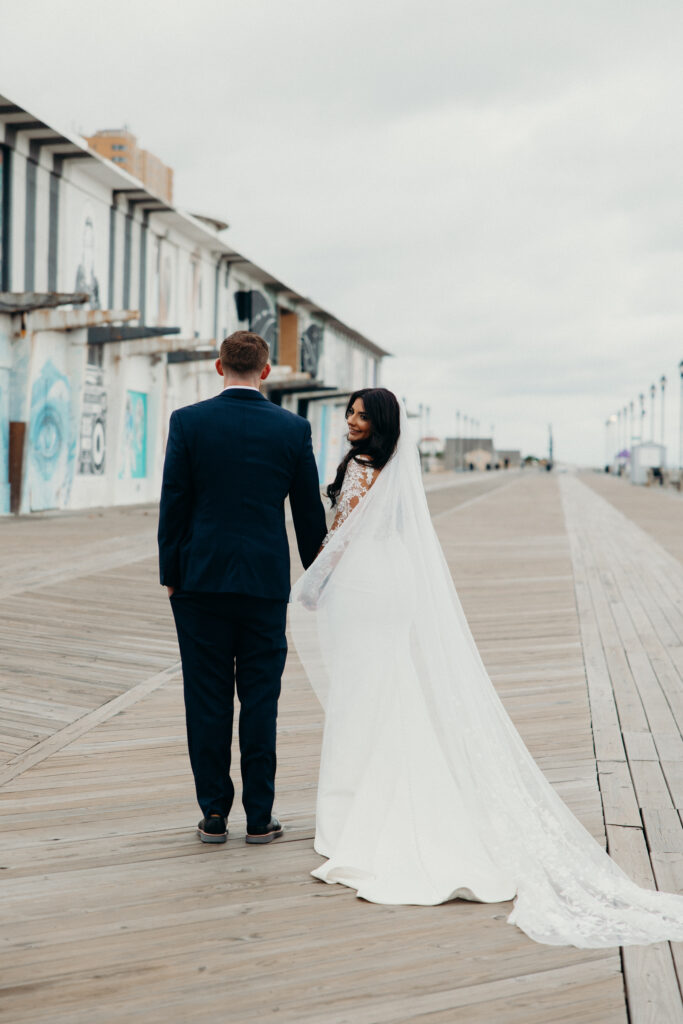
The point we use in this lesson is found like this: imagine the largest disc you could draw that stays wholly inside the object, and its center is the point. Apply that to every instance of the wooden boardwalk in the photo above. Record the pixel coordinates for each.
(112, 909)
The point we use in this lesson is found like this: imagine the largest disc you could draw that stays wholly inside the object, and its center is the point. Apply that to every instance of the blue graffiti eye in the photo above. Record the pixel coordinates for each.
(48, 436)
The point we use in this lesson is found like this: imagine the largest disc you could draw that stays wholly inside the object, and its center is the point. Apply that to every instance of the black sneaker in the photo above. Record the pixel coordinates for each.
(273, 830)
(212, 829)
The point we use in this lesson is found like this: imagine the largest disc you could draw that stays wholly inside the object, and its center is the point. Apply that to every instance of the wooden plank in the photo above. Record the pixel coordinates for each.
(640, 746)
(650, 785)
(651, 983)
(618, 796)
(636, 590)
(663, 830)
(114, 910)
(673, 773)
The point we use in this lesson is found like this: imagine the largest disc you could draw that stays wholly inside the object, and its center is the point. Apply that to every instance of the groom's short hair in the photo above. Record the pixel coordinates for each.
(244, 353)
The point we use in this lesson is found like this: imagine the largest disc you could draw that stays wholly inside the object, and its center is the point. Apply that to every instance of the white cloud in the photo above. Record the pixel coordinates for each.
(489, 189)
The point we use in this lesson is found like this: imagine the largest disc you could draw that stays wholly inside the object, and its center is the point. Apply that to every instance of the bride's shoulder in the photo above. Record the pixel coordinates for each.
(360, 468)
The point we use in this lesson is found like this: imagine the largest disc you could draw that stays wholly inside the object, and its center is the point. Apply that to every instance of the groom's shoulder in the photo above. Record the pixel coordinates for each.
(194, 410)
(281, 419)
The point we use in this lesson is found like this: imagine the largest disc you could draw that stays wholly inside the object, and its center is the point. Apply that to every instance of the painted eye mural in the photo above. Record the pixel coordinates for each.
(311, 348)
(255, 307)
(51, 451)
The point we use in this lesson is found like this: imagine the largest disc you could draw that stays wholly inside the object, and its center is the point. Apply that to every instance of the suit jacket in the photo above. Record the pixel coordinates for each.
(230, 463)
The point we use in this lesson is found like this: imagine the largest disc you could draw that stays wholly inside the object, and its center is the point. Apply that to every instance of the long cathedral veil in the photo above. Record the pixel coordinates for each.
(569, 892)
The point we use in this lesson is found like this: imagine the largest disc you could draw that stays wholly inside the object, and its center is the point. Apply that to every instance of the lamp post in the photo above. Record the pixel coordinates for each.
(662, 384)
(609, 441)
(641, 399)
(458, 439)
(653, 392)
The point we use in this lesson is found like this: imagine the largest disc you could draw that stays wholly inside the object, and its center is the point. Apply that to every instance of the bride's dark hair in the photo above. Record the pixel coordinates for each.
(382, 409)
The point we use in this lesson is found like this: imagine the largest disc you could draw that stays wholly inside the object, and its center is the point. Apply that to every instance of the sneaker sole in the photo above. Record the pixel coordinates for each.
(262, 840)
(206, 837)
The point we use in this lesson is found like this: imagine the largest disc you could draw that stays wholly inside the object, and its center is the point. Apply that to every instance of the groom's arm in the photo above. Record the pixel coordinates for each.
(175, 504)
(307, 508)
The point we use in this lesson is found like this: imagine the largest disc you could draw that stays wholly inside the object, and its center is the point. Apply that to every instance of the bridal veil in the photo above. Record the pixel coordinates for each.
(568, 891)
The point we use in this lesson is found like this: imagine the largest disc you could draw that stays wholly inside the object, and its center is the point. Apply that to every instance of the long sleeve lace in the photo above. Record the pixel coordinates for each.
(358, 480)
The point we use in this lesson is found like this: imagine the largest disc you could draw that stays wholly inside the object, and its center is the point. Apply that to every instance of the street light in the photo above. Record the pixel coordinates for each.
(641, 399)
(662, 384)
(608, 441)
(458, 439)
(653, 392)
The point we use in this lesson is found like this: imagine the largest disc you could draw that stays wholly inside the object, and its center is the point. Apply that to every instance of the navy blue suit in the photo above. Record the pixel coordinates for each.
(230, 463)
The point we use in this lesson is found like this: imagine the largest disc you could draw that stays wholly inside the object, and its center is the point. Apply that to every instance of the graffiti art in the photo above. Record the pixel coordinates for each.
(256, 308)
(133, 464)
(86, 278)
(51, 449)
(311, 348)
(93, 442)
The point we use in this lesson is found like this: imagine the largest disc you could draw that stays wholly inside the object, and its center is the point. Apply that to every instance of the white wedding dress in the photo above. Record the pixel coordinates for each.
(427, 792)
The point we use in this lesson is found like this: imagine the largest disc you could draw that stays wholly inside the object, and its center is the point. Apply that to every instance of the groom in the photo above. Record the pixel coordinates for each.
(230, 463)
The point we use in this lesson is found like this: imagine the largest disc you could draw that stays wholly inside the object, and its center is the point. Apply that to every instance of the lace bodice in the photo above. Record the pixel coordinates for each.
(358, 480)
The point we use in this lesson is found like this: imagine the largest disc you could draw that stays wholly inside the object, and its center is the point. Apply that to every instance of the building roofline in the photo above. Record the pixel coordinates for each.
(66, 147)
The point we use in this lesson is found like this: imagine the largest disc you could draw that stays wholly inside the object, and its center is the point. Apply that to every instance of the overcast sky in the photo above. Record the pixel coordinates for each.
(490, 190)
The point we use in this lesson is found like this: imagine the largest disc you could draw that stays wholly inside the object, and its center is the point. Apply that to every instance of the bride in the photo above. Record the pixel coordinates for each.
(427, 793)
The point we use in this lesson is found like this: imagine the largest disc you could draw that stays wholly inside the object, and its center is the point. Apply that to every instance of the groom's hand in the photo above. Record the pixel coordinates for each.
(171, 591)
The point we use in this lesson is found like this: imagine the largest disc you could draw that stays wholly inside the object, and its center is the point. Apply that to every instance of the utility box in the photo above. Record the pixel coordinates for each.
(644, 457)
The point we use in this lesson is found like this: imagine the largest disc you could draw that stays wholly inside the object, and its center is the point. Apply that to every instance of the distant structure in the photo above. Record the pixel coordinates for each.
(121, 147)
(464, 453)
(509, 458)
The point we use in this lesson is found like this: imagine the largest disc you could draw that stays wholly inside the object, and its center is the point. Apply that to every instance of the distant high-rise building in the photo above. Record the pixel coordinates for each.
(121, 147)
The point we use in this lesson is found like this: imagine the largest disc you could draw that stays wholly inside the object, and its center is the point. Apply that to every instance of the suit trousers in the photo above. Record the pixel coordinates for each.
(228, 642)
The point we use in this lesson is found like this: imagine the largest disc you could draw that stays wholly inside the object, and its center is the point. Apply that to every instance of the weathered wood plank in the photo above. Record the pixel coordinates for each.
(115, 910)
(618, 796)
(651, 983)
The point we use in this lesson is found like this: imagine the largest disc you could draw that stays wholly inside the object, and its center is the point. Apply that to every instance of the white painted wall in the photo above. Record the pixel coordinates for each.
(96, 434)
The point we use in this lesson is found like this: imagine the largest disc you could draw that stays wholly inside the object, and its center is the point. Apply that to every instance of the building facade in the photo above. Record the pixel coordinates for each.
(121, 147)
(467, 453)
(112, 304)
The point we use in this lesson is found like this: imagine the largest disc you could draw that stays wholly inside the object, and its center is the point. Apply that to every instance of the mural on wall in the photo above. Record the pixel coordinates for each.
(86, 277)
(52, 451)
(321, 452)
(196, 298)
(4, 449)
(256, 308)
(93, 439)
(133, 463)
(165, 286)
(311, 349)
(155, 290)
(2, 207)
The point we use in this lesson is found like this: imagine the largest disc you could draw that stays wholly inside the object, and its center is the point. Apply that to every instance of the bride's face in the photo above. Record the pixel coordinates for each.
(358, 423)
